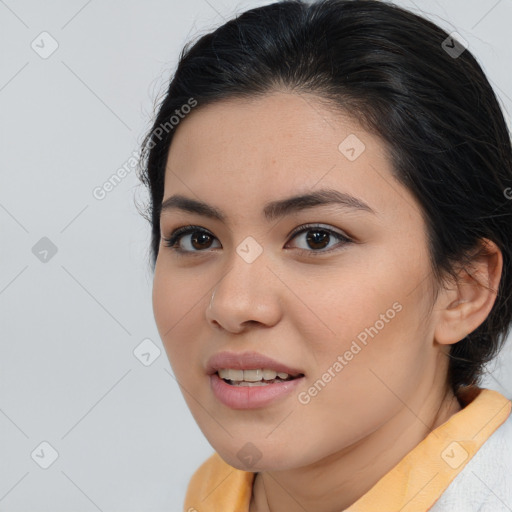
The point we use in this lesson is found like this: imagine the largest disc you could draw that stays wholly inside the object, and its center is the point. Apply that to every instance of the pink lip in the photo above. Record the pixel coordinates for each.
(245, 397)
(247, 361)
(249, 397)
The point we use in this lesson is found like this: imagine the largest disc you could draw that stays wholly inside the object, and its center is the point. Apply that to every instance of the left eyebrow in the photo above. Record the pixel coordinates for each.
(273, 209)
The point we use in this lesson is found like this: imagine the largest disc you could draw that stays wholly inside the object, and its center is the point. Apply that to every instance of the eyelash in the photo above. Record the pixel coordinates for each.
(176, 236)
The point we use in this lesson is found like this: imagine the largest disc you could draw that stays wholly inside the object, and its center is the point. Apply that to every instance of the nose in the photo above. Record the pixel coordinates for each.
(248, 294)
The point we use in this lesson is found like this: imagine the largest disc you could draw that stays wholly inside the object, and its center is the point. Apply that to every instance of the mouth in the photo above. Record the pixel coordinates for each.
(253, 395)
(250, 380)
(254, 377)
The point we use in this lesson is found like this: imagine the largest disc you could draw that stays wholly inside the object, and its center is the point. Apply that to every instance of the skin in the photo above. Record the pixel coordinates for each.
(306, 309)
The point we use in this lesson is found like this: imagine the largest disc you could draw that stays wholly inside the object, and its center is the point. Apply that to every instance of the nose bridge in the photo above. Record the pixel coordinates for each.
(245, 292)
(248, 267)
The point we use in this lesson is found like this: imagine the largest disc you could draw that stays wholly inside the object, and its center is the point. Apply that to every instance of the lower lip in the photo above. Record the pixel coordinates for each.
(250, 397)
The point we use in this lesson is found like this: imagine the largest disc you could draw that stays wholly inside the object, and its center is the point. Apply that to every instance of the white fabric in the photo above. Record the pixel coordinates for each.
(485, 483)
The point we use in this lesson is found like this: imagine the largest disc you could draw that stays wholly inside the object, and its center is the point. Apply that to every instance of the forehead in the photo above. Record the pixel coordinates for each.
(278, 125)
(250, 151)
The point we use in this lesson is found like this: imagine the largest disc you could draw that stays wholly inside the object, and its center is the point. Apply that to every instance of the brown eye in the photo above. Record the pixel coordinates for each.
(318, 238)
(199, 240)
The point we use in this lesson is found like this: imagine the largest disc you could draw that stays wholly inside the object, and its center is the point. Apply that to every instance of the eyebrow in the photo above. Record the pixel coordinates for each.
(273, 209)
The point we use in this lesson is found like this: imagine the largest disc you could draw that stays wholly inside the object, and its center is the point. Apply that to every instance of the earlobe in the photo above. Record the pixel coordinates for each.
(465, 306)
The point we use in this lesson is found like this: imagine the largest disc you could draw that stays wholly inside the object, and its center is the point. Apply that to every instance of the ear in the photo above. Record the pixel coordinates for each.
(463, 307)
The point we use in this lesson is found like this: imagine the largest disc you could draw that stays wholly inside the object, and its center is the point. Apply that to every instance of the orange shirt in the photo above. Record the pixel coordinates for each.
(413, 485)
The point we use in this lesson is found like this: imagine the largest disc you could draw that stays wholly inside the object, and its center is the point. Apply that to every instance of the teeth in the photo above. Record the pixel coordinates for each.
(251, 384)
(231, 374)
(250, 375)
(269, 374)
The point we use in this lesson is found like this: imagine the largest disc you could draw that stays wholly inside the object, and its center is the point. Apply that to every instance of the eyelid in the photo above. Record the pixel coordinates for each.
(313, 225)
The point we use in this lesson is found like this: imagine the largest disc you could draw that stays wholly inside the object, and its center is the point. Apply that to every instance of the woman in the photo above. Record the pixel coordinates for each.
(331, 237)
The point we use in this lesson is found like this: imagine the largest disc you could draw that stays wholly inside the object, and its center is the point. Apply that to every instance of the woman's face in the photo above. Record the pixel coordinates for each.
(353, 314)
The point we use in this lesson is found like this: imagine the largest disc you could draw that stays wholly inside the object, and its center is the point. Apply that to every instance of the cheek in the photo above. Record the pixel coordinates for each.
(343, 304)
(165, 303)
(372, 341)
(177, 294)
(357, 387)
(177, 302)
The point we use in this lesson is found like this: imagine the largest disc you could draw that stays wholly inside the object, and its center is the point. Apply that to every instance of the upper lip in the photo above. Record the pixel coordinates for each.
(247, 361)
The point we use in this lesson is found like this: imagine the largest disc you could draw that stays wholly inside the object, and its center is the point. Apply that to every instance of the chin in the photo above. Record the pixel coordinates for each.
(250, 458)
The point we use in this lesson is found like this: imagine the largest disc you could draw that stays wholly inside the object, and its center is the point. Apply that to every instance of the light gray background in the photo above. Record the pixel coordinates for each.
(69, 325)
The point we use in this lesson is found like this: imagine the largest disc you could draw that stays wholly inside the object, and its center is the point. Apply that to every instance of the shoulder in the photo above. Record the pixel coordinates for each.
(485, 483)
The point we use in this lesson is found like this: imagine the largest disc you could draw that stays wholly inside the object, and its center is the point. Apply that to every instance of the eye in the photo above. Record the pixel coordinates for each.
(318, 238)
(200, 239)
